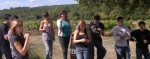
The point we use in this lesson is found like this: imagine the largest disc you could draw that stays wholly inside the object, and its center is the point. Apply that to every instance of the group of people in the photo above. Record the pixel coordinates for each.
(14, 44)
(122, 34)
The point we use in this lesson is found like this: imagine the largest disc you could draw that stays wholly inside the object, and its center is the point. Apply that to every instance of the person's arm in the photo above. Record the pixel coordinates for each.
(22, 49)
(4, 33)
(41, 26)
(132, 35)
(70, 28)
(128, 34)
(53, 30)
(75, 38)
(115, 34)
(59, 22)
(147, 39)
(102, 29)
(89, 36)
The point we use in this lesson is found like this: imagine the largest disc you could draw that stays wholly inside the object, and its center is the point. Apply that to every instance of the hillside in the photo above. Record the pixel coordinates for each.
(75, 12)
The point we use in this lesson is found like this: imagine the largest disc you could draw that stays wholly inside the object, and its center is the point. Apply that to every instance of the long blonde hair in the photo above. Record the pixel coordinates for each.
(14, 24)
(79, 23)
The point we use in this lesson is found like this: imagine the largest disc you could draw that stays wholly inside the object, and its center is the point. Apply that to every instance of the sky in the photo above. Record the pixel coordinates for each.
(6, 4)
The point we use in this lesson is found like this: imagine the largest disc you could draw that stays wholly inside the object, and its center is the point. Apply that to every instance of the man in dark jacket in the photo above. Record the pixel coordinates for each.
(4, 43)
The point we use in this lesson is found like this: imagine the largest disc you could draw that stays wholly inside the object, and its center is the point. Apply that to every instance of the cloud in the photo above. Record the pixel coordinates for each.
(31, 1)
(6, 4)
(10, 3)
(53, 0)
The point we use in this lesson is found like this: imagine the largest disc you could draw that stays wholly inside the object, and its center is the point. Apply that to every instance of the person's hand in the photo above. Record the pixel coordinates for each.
(88, 41)
(27, 35)
(122, 37)
(145, 41)
(61, 19)
(126, 34)
(99, 29)
(83, 40)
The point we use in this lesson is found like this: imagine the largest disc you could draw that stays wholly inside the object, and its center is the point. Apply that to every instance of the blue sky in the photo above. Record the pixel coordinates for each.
(6, 4)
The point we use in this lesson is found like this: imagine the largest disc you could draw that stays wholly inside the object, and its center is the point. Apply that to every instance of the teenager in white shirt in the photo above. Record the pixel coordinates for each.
(121, 34)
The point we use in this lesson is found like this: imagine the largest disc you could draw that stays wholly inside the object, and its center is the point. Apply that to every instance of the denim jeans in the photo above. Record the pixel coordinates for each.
(91, 50)
(82, 52)
(122, 52)
(48, 48)
(101, 51)
(140, 51)
(64, 42)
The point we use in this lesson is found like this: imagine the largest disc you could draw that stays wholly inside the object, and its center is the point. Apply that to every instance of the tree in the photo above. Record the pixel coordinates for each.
(128, 6)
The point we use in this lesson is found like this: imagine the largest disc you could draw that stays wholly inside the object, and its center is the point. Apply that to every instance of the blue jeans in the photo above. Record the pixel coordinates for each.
(140, 51)
(48, 48)
(122, 52)
(82, 52)
(64, 42)
(101, 51)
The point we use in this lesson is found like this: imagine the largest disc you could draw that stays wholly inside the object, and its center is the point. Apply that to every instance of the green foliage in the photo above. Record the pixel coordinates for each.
(34, 25)
(130, 9)
(79, 12)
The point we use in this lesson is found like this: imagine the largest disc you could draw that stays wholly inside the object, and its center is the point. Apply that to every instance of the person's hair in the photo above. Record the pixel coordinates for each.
(141, 22)
(15, 23)
(79, 23)
(7, 16)
(14, 17)
(46, 14)
(62, 12)
(119, 18)
(97, 17)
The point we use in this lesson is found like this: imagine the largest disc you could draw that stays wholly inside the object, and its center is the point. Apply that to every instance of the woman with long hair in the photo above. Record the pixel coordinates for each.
(64, 31)
(82, 38)
(18, 41)
(48, 35)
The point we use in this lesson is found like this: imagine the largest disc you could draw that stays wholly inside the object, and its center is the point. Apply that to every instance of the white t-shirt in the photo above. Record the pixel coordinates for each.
(120, 31)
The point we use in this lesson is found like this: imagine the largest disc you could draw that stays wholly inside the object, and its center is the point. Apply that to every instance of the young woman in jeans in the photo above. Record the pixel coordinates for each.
(64, 32)
(82, 38)
(48, 35)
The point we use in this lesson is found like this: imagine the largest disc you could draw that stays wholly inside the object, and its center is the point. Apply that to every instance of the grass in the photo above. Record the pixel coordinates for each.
(36, 48)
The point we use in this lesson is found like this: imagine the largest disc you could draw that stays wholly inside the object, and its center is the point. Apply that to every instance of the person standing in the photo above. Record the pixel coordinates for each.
(4, 43)
(142, 37)
(18, 41)
(48, 35)
(82, 38)
(121, 35)
(64, 32)
(97, 29)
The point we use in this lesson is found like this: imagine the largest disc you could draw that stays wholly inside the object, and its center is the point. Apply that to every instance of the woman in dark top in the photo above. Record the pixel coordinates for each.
(18, 41)
(82, 37)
